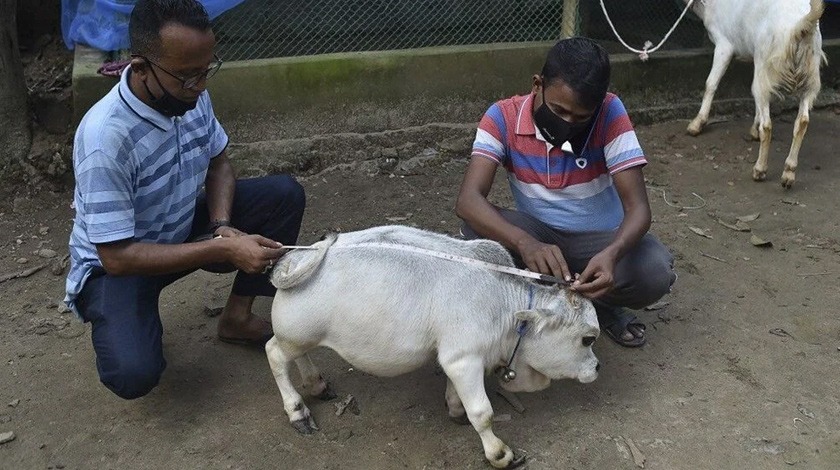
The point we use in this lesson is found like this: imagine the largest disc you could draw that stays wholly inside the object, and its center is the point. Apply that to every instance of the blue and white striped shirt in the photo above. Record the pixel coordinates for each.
(138, 174)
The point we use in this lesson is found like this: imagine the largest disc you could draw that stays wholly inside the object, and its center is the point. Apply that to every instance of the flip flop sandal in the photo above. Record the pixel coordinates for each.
(257, 343)
(619, 323)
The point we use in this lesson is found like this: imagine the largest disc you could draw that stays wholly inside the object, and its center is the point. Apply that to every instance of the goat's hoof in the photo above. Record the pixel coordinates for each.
(754, 136)
(759, 175)
(694, 128)
(305, 425)
(788, 179)
(460, 420)
(327, 393)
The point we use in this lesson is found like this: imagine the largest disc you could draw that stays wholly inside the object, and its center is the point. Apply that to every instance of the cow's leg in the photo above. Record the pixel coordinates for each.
(467, 376)
(457, 413)
(762, 89)
(312, 379)
(799, 129)
(280, 355)
(723, 54)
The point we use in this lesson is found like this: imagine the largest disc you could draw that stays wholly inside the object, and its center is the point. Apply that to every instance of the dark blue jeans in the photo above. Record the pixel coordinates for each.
(123, 310)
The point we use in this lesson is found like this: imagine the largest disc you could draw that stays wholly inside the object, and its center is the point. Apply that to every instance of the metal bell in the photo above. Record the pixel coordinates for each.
(509, 375)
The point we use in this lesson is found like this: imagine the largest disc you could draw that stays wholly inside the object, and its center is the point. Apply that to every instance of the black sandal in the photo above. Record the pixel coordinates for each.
(617, 321)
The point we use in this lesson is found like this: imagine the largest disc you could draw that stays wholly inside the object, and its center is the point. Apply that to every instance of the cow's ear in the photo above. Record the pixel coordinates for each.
(537, 318)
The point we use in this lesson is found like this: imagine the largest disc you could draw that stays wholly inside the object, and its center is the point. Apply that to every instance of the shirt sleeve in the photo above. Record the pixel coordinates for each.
(622, 150)
(217, 134)
(104, 188)
(490, 138)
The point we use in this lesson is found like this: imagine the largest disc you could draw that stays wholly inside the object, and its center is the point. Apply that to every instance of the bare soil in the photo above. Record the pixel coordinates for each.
(740, 369)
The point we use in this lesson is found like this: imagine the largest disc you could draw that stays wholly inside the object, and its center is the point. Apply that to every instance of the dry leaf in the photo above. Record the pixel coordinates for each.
(749, 217)
(737, 226)
(760, 242)
(638, 457)
(792, 202)
(699, 231)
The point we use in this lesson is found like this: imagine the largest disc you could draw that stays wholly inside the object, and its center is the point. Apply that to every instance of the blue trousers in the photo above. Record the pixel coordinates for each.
(123, 310)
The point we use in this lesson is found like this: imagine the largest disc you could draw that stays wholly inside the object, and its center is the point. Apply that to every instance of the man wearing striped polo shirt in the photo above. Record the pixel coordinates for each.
(575, 171)
(141, 157)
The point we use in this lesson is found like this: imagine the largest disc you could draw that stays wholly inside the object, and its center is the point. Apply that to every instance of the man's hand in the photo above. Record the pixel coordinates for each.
(544, 258)
(597, 279)
(228, 232)
(254, 253)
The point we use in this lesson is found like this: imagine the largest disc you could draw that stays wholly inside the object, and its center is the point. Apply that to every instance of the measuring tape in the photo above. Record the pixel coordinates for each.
(451, 257)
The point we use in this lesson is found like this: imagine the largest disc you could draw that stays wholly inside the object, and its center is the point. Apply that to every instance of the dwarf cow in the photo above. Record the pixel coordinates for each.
(388, 310)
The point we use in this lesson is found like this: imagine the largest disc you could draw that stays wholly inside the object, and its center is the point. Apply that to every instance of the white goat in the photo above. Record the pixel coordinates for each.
(783, 38)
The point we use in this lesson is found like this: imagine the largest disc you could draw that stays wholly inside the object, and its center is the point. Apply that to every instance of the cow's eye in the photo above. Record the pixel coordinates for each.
(588, 340)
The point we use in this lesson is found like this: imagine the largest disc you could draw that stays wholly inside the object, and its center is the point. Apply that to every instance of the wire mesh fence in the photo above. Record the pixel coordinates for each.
(279, 28)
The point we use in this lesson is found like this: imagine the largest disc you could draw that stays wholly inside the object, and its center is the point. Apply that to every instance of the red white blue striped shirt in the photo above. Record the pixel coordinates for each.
(567, 191)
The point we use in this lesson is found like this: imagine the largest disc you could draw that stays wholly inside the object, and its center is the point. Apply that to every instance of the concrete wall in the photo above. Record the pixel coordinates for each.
(285, 98)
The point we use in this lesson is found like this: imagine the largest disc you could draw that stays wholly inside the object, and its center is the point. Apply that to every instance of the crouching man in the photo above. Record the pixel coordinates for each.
(575, 170)
(141, 157)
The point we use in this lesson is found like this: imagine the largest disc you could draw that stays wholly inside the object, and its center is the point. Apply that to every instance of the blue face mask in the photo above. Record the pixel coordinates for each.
(553, 128)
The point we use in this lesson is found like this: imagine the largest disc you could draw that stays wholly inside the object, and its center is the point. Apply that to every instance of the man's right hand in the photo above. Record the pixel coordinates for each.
(544, 258)
(254, 253)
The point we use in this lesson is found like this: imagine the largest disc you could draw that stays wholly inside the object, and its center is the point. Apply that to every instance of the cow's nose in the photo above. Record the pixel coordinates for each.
(597, 367)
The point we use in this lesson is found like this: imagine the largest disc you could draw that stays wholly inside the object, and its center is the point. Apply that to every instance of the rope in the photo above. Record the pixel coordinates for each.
(644, 54)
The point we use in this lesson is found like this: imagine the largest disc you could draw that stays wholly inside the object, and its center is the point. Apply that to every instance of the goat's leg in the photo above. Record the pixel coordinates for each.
(723, 54)
(467, 376)
(762, 90)
(312, 379)
(280, 355)
(754, 127)
(799, 129)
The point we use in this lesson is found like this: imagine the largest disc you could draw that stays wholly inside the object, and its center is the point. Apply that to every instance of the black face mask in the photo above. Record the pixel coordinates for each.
(167, 104)
(553, 128)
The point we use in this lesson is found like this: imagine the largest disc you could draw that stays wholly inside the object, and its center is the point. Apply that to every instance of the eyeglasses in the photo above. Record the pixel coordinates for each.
(189, 82)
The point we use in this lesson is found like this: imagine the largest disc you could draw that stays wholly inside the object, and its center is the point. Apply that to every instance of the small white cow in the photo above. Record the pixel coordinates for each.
(783, 38)
(388, 311)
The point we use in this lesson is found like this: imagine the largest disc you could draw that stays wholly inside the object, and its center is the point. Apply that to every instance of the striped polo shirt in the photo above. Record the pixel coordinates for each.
(568, 191)
(138, 174)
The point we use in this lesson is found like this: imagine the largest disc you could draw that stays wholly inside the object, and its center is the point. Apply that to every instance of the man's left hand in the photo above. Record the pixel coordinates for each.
(597, 279)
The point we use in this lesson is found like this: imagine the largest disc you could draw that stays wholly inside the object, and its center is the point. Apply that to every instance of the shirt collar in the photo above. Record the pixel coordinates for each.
(140, 108)
(525, 118)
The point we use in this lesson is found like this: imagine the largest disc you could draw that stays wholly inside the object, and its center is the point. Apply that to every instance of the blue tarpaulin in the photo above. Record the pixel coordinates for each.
(103, 24)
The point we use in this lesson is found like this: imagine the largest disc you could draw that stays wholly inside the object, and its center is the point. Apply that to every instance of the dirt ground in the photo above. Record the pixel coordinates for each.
(740, 369)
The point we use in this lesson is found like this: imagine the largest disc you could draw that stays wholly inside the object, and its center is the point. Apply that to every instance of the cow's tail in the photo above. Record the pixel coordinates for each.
(292, 270)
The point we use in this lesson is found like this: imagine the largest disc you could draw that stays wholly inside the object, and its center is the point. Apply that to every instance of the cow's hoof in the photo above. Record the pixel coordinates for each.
(517, 461)
(759, 175)
(461, 420)
(504, 458)
(305, 425)
(327, 393)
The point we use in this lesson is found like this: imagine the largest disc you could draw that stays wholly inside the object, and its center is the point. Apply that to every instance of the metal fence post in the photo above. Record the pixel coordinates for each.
(569, 26)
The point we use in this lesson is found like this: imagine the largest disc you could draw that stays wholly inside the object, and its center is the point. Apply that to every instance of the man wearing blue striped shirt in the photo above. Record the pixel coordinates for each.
(156, 198)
